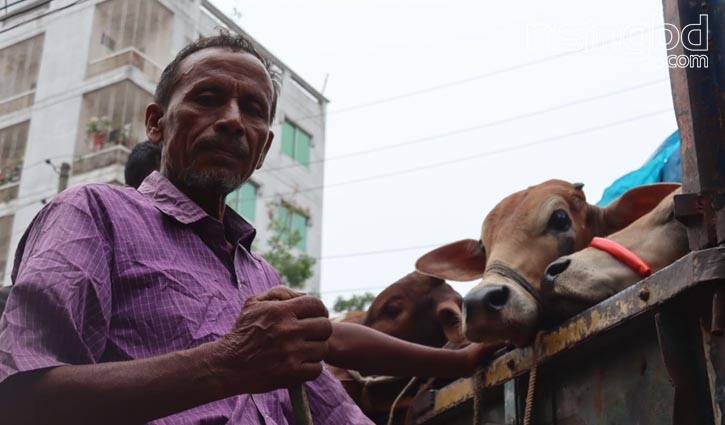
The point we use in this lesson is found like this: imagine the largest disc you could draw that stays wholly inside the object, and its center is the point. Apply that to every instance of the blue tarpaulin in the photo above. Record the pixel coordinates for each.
(662, 166)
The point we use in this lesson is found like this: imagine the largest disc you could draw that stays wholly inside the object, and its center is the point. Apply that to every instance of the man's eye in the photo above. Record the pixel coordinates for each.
(207, 99)
(254, 109)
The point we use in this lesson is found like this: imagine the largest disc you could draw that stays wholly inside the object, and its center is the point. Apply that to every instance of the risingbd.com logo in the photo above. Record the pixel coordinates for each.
(693, 39)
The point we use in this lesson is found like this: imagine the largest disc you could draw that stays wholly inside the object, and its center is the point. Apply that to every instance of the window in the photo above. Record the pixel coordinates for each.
(113, 115)
(111, 123)
(6, 227)
(19, 66)
(12, 152)
(292, 225)
(295, 143)
(244, 200)
(130, 32)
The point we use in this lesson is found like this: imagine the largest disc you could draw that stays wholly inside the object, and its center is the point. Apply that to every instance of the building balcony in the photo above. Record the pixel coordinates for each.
(107, 156)
(17, 102)
(129, 56)
(9, 191)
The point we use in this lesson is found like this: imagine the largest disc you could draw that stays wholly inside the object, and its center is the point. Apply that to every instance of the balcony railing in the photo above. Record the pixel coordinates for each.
(9, 191)
(17, 102)
(113, 155)
(128, 56)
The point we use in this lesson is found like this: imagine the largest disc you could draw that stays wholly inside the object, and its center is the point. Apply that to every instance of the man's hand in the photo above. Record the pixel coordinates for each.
(476, 354)
(279, 340)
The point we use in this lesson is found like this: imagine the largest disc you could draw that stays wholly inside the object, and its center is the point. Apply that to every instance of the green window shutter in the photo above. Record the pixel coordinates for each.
(282, 221)
(233, 200)
(247, 201)
(302, 151)
(299, 225)
(288, 139)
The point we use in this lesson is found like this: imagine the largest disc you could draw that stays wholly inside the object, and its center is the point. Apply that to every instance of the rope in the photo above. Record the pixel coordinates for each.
(530, 396)
(532, 384)
(391, 416)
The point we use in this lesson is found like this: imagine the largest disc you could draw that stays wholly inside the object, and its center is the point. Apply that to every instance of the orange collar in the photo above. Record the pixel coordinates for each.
(622, 254)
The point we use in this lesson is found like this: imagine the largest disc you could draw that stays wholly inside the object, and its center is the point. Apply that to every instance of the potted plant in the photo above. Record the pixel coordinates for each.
(97, 130)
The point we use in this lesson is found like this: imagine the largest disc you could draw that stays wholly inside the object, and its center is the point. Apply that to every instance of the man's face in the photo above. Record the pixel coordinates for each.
(215, 129)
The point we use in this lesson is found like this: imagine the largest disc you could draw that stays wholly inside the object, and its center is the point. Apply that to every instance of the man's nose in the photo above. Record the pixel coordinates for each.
(230, 121)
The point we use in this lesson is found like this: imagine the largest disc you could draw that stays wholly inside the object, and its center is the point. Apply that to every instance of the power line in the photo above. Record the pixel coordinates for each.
(478, 127)
(489, 74)
(424, 167)
(477, 156)
(377, 252)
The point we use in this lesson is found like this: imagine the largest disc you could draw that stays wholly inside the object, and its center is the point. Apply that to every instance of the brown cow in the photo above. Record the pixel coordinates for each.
(519, 238)
(417, 308)
(573, 283)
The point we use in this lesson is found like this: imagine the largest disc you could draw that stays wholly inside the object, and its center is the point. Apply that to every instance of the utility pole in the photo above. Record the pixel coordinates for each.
(63, 176)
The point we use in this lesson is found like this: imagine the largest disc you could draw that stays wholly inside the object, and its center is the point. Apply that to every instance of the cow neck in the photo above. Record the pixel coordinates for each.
(622, 254)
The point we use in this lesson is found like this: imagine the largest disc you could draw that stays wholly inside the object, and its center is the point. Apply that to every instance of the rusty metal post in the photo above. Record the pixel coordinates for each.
(683, 354)
(699, 98)
(698, 91)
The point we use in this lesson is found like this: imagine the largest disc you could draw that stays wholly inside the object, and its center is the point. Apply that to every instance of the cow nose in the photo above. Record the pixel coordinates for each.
(490, 297)
(554, 269)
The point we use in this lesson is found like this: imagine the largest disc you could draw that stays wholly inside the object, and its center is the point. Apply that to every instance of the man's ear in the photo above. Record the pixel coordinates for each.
(154, 133)
(267, 145)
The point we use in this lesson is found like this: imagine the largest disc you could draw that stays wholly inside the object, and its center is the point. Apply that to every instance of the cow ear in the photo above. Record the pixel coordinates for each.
(459, 261)
(632, 205)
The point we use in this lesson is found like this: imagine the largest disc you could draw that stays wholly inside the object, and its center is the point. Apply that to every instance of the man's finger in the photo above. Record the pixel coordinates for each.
(316, 328)
(314, 352)
(279, 293)
(307, 307)
(308, 372)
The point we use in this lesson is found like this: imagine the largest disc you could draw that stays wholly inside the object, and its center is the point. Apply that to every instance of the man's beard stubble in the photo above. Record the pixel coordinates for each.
(215, 181)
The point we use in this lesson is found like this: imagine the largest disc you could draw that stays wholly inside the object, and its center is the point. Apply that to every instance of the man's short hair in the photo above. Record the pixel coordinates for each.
(144, 159)
(233, 41)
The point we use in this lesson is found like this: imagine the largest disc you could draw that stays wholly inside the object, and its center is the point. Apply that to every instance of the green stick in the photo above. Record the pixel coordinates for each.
(300, 405)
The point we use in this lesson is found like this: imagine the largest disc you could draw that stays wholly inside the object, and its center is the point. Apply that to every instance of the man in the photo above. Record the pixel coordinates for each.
(147, 305)
(144, 158)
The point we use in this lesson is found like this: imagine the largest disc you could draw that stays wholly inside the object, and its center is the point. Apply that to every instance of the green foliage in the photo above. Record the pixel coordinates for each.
(355, 302)
(293, 265)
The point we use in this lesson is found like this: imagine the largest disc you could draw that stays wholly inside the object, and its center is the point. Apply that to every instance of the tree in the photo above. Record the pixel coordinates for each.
(355, 302)
(293, 265)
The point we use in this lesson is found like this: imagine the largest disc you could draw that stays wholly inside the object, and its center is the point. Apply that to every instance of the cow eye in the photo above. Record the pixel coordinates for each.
(391, 310)
(559, 221)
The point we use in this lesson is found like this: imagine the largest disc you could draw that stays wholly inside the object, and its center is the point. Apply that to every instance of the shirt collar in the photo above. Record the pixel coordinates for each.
(171, 201)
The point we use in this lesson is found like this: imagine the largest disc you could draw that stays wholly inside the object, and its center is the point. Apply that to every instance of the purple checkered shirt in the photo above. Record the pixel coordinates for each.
(107, 273)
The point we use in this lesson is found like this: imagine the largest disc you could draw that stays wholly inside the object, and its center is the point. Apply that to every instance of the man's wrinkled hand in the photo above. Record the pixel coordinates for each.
(279, 340)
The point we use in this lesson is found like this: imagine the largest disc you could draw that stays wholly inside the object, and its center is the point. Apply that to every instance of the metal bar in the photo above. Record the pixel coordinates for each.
(717, 326)
(696, 268)
(681, 346)
(696, 30)
(511, 411)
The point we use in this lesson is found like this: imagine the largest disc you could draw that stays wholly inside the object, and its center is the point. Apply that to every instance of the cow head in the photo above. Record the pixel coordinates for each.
(576, 282)
(418, 308)
(519, 238)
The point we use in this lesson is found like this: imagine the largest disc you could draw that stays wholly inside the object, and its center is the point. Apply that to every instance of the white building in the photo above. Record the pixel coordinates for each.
(75, 79)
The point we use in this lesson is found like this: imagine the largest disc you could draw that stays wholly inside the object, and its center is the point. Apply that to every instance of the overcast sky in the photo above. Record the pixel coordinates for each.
(473, 100)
